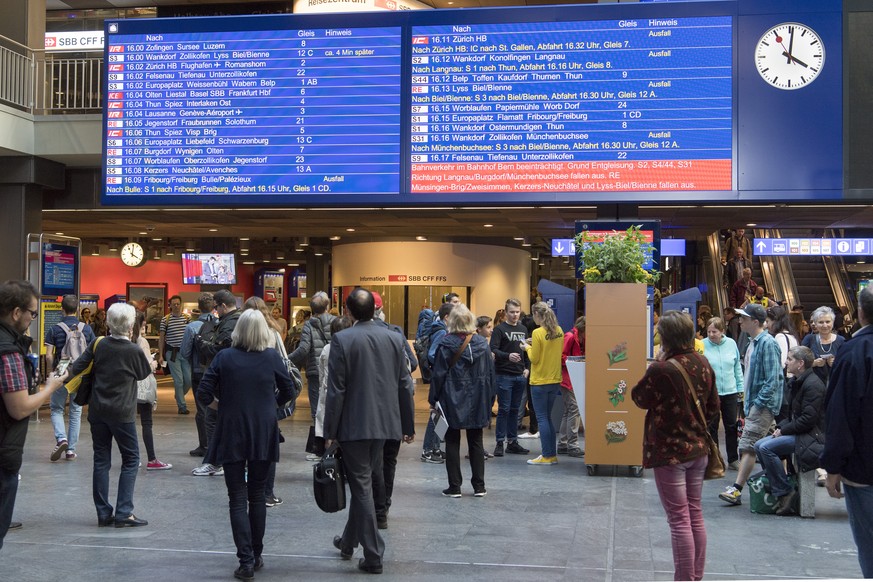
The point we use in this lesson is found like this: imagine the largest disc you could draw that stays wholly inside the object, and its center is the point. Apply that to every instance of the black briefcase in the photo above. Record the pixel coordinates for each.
(329, 481)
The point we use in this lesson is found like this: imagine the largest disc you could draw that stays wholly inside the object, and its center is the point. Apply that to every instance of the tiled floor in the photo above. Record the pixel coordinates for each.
(536, 523)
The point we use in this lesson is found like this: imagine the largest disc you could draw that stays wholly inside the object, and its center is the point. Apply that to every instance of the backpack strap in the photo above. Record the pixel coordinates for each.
(64, 327)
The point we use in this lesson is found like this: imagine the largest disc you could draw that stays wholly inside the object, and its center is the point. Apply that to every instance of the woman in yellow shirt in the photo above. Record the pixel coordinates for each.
(544, 352)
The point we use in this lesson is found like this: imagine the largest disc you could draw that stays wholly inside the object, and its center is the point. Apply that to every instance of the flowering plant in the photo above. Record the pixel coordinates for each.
(616, 432)
(617, 259)
(616, 395)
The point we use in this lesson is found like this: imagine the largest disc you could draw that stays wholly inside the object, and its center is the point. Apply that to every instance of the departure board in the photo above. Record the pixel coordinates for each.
(590, 106)
(303, 112)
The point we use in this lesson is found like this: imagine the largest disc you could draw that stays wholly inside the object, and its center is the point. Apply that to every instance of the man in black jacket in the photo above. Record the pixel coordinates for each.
(801, 432)
(512, 373)
(19, 306)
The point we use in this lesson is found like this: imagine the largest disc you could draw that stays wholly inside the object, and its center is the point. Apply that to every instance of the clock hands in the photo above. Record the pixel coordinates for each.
(790, 44)
(794, 59)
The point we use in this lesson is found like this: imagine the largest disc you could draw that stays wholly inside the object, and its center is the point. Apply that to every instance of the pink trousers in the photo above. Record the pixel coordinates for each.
(680, 488)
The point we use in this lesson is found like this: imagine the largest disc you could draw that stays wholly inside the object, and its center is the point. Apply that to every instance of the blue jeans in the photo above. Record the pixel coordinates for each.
(509, 392)
(180, 370)
(124, 434)
(859, 504)
(8, 490)
(544, 397)
(58, 401)
(248, 509)
(770, 451)
(431, 440)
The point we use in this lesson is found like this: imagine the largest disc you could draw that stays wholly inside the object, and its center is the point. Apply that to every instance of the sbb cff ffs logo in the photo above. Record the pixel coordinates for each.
(397, 278)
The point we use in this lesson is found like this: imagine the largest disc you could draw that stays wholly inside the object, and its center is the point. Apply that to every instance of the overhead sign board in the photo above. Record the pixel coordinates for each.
(813, 246)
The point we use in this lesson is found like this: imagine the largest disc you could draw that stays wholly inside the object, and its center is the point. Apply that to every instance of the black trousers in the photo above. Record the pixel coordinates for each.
(145, 421)
(382, 494)
(248, 510)
(729, 419)
(202, 411)
(477, 458)
(363, 464)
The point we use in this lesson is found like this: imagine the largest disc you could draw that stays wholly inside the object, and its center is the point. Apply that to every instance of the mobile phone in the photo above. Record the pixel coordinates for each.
(62, 366)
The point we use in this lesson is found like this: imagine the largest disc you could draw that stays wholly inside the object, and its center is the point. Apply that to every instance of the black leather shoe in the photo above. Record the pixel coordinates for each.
(130, 521)
(105, 521)
(184, 411)
(516, 449)
(244, 573)
(198, 452)
(382, 523)
(369, 568)
(338, 544)
(259, 563)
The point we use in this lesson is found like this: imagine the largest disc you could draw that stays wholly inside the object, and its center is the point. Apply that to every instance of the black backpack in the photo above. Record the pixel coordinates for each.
(204, 339)
(421, 346)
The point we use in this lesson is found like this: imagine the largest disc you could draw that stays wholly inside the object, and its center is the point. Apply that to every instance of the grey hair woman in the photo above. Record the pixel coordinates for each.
(118, 365)
(245, 383)
(824, 343)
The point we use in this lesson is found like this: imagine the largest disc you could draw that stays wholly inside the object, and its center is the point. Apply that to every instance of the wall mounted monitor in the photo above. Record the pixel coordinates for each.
(60, 269)
(625, 102)
(208, 269)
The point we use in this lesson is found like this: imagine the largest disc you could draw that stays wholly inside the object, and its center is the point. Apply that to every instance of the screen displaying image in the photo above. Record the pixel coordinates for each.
(60, 268)
(208, 269)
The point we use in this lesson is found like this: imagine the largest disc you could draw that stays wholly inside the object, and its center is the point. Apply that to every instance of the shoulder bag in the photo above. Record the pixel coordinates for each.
(82, 382)
(293, 370)
(329, 481)
(715, 467)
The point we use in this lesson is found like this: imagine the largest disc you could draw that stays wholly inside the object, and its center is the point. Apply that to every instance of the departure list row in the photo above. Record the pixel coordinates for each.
(621, 105)
(260, 112)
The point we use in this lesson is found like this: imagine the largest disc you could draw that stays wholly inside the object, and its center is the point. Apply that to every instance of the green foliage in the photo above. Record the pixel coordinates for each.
(618, 259)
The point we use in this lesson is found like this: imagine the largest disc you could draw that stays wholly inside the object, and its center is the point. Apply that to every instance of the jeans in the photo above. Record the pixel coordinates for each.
(431, 440)
(248, 509)
(770, 451)
(729, 420)
(544, 397)
(8, 491)
(180, 370)
(859, 504)
(568, 433)
(680, 487)
(477, 458)
(509, 391)
(145, 421)
(58, 401)
(124, 434)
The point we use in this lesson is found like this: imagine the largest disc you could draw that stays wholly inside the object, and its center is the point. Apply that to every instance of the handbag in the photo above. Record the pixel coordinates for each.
(329, 481)
(147, 390)
(82, 382)
(715, 467)
(293, 371)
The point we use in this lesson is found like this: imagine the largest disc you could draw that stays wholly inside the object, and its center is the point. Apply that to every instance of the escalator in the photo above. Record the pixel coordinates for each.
(811, 280)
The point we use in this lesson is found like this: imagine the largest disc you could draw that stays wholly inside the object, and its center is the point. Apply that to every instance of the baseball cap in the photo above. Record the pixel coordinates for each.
(378, 299)
(753, 311)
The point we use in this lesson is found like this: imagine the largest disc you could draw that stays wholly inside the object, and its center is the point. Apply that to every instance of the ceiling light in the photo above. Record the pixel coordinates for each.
(190, 246)
(335, 237)
(318, 254)
(419, 237)
(95, 251)
(350, 230)
(293, 264)
(59, 233)
(487, 225)
(535, 256)
(170, 252)
(525, 242)
(156, 254)
(518, 238)
(143, 232)
(213, 230)
(113, 245)
(248, 262)
(157, 239)
(752, 224)
(299, 249)
(280, 255)
(243, 238)
(304, 241)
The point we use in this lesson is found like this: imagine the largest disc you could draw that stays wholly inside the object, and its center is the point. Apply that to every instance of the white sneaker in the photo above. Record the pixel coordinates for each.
(207, 470)
(313, 457)
(528, 435)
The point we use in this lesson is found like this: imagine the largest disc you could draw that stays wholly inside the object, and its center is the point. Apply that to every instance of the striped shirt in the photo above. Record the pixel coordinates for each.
(14, 373)
(174, 329)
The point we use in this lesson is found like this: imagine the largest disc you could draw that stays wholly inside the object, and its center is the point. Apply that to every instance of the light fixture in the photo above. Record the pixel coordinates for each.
(143, 232)
(280, 255)
(243, 238)
(248, 262)
(304, 241)
(170, 252)
(298, 249)
(420, 237)
(190, 246)
(59, 233)
(157, 238)
(213, 230)
(156, 254)
(113, 245)
(752, 224)
(350, 230)
(525, 242)
(518, 238)
(293, 264)
(95, 251)
(318, 252)
(535, 256)
(488, 225)
(335, 237)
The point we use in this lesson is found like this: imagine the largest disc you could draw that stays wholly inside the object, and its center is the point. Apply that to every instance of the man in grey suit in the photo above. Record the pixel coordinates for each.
(369, 400)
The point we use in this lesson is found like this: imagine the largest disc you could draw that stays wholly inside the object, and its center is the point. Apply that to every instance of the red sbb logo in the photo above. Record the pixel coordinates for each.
(116, 68)
(116, 48)
(116, 105)
(51, 42)
(115, 114)
(115, 133)
(116, 95)
(419, 40)
(398, 278)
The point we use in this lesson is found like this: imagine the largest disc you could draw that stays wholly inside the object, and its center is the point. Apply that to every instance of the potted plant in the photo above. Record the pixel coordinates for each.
(616, 257)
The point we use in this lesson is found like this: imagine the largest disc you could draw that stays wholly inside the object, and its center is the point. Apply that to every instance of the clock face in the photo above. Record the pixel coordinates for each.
(132, 254)
(790, 56)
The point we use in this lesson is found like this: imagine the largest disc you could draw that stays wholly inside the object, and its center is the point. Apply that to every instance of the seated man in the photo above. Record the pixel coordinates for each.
(801, 432)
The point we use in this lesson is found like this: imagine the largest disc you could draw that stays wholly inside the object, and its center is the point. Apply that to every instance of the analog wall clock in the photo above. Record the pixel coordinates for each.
(132, 254)
(790, 56)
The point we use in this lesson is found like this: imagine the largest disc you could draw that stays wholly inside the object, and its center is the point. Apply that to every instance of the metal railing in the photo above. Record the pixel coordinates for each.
(45, 84)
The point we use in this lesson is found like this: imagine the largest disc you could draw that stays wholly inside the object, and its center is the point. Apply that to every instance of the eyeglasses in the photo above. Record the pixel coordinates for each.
(33, 314)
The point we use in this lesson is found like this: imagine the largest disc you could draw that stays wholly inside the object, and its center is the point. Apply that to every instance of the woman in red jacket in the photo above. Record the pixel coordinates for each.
(568, 433)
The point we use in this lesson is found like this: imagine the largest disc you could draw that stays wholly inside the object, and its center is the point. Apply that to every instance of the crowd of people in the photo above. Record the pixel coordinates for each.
(771, 390)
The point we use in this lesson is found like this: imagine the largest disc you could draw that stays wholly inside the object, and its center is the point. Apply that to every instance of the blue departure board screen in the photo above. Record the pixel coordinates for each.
(587, 104)
(616, 105)
(272, 112)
